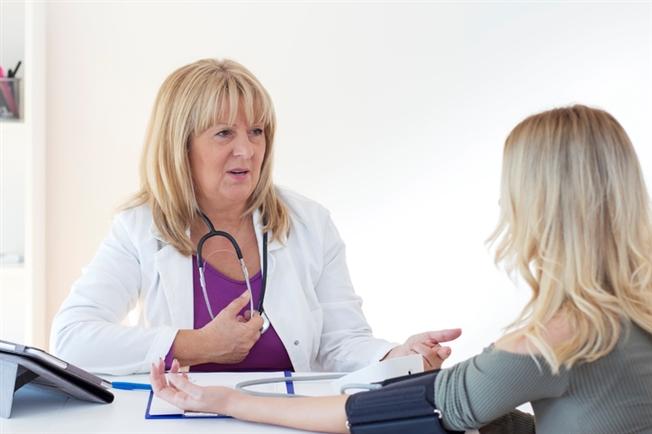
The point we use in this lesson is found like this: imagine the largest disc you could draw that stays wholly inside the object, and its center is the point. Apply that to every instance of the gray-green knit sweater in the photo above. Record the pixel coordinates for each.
(612, 395)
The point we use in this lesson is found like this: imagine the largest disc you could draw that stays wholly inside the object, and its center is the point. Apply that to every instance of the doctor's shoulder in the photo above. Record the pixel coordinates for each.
(305, 213)
(312, 231)
(135, 224)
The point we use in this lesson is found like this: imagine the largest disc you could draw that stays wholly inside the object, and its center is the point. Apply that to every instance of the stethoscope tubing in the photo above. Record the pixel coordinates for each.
(243, 385)
(245, 272)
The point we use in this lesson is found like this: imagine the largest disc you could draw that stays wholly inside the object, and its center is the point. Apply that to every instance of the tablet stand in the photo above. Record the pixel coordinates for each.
(12, 377)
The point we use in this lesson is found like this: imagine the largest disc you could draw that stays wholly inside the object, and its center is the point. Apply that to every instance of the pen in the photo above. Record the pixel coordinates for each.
(121, 385)
(12, 73)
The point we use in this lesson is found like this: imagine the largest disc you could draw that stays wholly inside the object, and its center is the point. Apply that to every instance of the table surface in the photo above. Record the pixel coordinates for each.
(48, 412)
(43, 412)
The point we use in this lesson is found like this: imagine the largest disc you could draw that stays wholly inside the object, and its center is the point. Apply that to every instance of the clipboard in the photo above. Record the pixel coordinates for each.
(175, 413)
(20, 365)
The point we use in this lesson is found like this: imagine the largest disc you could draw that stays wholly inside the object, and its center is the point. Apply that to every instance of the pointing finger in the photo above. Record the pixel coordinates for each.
(234, 308)
(444, 335)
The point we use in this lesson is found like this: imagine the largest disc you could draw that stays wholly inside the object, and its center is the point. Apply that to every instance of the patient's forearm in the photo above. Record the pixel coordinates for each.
(324, 414)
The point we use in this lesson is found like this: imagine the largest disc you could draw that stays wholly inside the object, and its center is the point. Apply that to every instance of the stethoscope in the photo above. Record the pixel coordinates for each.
(202, 279)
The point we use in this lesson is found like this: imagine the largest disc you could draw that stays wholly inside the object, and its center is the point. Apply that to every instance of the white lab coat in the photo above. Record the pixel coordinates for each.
(309, 300)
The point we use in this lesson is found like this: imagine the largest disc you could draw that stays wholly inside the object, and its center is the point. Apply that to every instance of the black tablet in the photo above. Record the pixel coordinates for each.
(39, 367)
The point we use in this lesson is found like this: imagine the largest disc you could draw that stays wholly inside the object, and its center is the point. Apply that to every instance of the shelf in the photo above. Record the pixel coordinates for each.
(11, 268)
(22, 163)
(14, 143)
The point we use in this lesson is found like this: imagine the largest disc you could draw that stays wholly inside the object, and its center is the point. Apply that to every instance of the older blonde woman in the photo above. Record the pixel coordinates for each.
(576, 225)
(207, 192)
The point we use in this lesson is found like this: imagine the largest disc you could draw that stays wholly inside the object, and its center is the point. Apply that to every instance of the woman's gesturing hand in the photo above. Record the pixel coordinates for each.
(428, 345)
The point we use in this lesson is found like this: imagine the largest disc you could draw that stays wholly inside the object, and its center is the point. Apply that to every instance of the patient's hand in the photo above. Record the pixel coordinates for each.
(428, 345)
(177, 389)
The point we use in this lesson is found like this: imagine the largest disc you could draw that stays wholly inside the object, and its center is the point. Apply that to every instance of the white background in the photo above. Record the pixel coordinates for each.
(391, 115)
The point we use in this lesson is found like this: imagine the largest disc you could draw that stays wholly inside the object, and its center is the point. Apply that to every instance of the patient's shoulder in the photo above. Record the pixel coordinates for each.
(557, 331)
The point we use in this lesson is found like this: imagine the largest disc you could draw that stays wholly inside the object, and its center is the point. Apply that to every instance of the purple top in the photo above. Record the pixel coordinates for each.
(268, 354)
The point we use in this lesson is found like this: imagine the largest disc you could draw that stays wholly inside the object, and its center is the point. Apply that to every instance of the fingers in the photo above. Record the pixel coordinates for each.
(175, 387)
(233, 309)
(176, 368)
(444, 335)
(255, 322)
(444, 352)
(157, 376)
(431, 359)
(182, 383)
(167, 393)
(246, 318)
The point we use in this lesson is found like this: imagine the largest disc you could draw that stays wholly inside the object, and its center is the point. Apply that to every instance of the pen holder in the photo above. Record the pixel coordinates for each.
(10, 98)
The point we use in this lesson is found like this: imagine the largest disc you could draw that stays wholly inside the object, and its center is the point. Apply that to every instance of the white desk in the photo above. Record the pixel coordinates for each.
(55, 413)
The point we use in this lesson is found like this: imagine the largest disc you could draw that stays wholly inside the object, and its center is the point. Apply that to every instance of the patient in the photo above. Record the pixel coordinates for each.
(575, 224)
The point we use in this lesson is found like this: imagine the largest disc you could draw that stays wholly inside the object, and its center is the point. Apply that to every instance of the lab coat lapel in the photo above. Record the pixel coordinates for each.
(272, 250)
(175, 277)
(258, 228)
(272, 247)
(280, 303)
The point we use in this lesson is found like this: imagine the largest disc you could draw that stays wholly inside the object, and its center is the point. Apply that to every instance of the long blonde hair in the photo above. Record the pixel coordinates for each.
(190, 101)
(575, 223)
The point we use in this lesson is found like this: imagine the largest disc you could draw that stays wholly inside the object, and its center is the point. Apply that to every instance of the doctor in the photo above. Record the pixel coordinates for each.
(206, 193)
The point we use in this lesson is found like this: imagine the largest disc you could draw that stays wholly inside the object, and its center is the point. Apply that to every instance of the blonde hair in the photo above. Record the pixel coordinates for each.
(190, 101)
(575, 223)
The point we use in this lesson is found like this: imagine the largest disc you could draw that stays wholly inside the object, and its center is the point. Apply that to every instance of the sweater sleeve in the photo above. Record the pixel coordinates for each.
(490, 385)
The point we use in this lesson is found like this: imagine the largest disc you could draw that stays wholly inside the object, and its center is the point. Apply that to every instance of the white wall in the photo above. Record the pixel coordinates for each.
(392, 116)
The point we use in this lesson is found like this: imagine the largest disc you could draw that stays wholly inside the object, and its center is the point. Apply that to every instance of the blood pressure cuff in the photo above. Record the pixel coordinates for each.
(404, 405)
